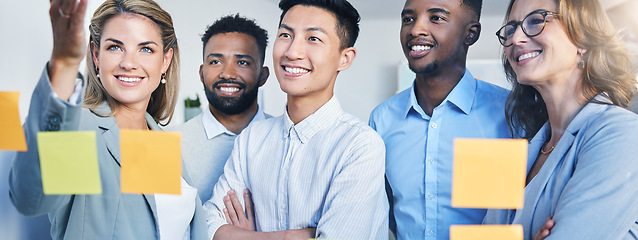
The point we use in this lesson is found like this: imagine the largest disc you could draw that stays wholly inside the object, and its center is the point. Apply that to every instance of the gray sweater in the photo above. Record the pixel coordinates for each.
(204, 159)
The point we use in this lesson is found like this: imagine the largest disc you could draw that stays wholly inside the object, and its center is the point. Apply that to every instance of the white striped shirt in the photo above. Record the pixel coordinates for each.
(325, 172)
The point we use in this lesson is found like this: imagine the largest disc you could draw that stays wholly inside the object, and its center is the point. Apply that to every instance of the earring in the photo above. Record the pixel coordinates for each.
(97, 73)
(163, 78)
(581, 53)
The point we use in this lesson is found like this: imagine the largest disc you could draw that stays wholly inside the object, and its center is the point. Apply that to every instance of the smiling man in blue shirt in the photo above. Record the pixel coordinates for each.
(419, 125)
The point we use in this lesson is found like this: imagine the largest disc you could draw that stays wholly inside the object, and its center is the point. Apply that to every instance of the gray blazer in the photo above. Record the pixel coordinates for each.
(110, 215)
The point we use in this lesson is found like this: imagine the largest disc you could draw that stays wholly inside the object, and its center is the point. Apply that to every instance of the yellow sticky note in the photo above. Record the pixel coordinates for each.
(68, 162)
(486, 232)
(12, 134)
(489, 173)
(151, 162)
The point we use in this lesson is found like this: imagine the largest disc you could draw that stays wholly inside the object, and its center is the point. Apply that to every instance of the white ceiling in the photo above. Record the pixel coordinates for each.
(383, 9)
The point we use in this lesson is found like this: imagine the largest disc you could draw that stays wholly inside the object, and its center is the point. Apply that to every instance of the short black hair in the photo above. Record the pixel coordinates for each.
(238, 24)
(475, 6)
(347, 17)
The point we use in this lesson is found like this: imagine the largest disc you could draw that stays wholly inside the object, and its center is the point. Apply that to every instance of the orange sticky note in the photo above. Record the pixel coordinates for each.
(489, 173)
(151, 162)
(12, 133)
(486, 232)
(68, 162)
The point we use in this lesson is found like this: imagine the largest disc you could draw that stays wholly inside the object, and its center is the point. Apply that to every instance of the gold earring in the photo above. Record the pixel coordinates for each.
(163, 78)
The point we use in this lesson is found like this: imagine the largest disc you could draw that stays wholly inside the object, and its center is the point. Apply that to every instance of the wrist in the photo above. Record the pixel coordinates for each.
(62, 77)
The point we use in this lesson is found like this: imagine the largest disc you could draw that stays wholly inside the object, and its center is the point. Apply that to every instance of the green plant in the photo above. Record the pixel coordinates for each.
(192, 103)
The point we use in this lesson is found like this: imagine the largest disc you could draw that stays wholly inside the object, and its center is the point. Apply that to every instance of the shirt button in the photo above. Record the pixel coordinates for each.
(430, 160)
(430, 233)
(54, 123)
(434, 125)
(430, 196)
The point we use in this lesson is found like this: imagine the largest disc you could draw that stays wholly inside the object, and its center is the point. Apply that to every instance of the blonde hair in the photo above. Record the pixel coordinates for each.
(164, 98)
(607, 65)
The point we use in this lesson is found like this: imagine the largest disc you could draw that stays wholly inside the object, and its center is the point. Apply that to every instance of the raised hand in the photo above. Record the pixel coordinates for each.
(69, 44)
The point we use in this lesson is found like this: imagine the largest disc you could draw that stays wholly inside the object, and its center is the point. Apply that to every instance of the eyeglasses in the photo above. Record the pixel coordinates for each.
(532, 25)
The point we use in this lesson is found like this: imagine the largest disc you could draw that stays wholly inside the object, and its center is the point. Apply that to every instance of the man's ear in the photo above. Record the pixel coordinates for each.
(472, 33)
(347, 57)
(201, 73)
(263, 75)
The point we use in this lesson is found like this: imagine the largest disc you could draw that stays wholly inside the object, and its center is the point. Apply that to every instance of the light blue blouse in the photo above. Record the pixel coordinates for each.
(588, 182)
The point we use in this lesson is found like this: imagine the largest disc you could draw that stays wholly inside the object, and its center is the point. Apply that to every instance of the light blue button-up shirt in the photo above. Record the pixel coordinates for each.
(325, 172)
(419, 151)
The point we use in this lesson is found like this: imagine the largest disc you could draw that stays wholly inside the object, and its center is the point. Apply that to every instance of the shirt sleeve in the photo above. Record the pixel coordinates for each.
(356, 205)
(46, 113)
(392, 221)
(599, 201)
(232, 178)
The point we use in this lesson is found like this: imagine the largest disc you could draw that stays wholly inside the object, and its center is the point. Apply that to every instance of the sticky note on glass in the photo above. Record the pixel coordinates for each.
(68, 162)
(489, 173)
(486, 232)
(151, 162)
(12, 133)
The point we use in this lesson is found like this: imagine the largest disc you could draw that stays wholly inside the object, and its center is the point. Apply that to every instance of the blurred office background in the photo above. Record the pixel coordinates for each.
(379, 70)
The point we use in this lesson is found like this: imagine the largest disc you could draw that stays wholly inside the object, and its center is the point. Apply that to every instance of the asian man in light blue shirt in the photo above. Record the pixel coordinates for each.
(315, 171)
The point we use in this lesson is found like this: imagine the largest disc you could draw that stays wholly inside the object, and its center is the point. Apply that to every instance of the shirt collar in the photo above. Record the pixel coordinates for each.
(320, 119)
(214, 128)
(462, 96)
(585, 115)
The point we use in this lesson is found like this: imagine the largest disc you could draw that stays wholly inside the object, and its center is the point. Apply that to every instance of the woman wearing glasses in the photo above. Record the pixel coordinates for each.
(571, 80)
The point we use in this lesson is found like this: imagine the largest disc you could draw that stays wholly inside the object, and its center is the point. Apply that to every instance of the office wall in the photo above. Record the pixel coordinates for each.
(371, 79)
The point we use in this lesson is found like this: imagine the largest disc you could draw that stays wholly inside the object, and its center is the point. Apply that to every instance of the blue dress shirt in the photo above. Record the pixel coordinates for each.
(419, 153)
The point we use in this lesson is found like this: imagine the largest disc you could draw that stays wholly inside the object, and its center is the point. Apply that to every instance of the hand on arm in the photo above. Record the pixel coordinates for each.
(545, 230)
(69, 44)
(233, 207)
(242, 226)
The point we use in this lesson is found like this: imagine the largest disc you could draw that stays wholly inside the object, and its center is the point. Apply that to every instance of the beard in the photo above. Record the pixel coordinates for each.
(425, 70)
(231, 105)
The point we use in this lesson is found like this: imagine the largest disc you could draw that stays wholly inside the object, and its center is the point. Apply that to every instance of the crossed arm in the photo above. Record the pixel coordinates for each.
(242, 226)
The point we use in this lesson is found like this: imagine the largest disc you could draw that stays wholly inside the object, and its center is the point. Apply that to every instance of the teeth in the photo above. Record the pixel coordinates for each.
(296, 70)
(229, 89)
(418, 48)
(128, 79)
(528, 55)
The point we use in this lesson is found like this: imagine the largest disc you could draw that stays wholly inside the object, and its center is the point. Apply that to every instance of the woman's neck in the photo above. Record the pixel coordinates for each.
(563, 100)
(131, 118)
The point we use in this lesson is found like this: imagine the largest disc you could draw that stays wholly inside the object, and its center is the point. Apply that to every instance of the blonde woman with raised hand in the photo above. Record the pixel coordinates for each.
(132, 83)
